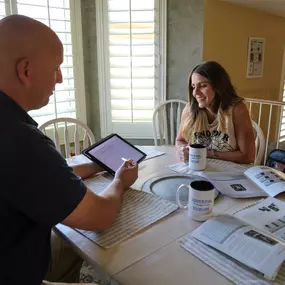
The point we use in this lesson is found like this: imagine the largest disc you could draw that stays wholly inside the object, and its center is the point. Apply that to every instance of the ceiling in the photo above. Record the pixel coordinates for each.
(276, 7)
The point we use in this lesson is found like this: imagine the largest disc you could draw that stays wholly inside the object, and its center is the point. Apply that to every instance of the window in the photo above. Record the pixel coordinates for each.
(131, 63)
(59, 15)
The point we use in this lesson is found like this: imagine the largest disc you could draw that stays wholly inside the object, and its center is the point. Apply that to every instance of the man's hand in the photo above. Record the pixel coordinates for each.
(127, 173)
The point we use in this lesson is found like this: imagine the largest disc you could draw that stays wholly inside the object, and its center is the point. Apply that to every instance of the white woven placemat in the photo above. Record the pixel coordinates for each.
(227, 266)
(140, 209)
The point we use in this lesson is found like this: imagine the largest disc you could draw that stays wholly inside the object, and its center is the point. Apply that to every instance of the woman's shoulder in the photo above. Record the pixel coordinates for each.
(186, 110)
(239, 108)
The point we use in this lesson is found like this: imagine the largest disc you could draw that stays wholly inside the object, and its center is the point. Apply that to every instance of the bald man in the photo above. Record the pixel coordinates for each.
(38, 189)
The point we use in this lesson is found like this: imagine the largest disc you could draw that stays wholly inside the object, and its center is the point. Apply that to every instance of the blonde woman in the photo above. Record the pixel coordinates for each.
(216, 117)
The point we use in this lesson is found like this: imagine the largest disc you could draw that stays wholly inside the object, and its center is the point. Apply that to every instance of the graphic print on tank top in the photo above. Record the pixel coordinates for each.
(213, 140)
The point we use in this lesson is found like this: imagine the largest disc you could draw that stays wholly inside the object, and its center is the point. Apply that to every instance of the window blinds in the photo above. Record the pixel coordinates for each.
(2, 9)
(56, 15)
(131, 39)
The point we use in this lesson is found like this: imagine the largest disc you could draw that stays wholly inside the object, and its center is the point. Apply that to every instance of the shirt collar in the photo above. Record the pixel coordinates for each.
(11, 108)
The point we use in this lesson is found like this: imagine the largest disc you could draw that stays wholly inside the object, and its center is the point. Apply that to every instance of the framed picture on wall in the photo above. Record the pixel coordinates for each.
(255, 57)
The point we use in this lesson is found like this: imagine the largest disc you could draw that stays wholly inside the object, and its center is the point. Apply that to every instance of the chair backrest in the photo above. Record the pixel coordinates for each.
(166, 121)
(259, 144)
(62, 128)
(269, 115)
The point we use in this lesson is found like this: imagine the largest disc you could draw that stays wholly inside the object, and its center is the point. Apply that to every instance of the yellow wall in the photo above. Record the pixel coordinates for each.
(227, 28)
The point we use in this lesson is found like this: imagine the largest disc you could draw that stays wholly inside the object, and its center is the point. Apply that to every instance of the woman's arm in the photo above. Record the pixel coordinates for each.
(244, 138)
(180, 142)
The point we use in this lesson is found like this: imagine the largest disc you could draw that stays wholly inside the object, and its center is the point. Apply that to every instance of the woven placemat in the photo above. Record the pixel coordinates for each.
(140, 209)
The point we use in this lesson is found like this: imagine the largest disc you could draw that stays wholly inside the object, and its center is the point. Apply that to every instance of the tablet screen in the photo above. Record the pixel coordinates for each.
(110, 151)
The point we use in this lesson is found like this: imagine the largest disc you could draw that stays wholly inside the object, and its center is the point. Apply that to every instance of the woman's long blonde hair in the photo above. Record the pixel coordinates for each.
(225, 96)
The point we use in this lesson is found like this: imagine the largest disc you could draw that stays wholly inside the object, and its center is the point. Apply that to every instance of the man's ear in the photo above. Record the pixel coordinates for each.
(23, 71)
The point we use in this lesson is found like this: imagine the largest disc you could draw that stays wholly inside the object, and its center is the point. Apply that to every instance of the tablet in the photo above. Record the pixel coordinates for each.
(110, 152)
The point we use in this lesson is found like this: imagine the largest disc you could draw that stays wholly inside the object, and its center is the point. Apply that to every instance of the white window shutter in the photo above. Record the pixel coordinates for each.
(130, 52)
(57, 15)
(2, 9)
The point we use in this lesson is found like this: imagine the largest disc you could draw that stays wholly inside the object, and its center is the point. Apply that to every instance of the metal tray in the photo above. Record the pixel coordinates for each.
(165, 186)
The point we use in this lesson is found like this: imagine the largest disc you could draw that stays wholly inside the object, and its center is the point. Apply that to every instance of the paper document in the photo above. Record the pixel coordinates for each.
(98, 183)
(253, 236)
(270, 180)
(78, 159)
(212, 165)
(253, 182)
(227, 266)
(234, 184)
(150, 153)
(267, 215)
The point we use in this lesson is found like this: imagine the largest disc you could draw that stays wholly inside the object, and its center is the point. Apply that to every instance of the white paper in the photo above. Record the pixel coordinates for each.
(244, 243)
(78, 159)
(227, 266)
(234, 184)
(150, 153)
(267, 215)
(97, 183)
(212, 165)
(268, 179)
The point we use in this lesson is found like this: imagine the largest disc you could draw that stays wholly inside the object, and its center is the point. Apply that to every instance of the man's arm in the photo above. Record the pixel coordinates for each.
(97, 212)
(87, 169)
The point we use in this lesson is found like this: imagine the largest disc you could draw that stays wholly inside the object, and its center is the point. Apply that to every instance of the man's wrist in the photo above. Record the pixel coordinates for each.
(119, 184)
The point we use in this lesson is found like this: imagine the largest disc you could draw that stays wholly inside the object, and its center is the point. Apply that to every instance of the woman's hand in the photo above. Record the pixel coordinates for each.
(183, 153)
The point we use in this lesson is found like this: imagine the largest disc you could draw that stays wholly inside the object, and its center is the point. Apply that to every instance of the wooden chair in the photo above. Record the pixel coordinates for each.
(269, 116)
(166, 121)
(59, 131)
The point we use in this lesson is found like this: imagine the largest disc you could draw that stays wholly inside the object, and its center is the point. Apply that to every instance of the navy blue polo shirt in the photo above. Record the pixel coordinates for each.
(37, 190)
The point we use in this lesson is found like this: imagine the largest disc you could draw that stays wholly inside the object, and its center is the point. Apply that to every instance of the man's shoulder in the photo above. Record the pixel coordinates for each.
(20, 130)
(21, 135)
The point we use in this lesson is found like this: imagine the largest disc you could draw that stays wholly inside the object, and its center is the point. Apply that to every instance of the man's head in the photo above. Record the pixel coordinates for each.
(30, 59)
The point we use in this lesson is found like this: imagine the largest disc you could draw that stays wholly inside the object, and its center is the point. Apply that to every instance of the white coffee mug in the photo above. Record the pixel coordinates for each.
(197, 156)
(201, 199)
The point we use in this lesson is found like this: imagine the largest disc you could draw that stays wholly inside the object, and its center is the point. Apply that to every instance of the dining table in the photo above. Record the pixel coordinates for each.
(153, 255)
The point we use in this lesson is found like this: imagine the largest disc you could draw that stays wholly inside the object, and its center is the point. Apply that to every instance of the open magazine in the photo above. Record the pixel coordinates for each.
(255, 236)
(256, 181)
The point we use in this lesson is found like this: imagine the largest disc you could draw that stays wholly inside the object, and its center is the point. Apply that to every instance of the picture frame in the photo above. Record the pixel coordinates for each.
(255, 57)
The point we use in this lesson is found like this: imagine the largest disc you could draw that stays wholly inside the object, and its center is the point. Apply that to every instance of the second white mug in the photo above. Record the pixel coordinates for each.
(197, 156)
(200, 200)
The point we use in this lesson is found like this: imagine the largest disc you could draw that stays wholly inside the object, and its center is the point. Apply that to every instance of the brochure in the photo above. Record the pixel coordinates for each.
(254, 236)
(256, 181)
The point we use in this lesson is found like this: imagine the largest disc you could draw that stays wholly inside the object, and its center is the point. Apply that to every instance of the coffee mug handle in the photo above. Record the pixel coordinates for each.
(178, 194)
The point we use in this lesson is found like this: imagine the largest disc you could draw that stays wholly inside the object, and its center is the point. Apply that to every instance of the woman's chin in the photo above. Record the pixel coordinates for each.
(202, 105)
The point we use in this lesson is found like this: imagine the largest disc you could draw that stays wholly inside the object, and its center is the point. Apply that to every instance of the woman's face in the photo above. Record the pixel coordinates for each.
(202, 90)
